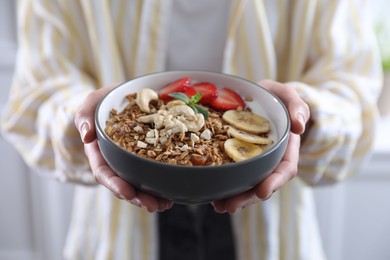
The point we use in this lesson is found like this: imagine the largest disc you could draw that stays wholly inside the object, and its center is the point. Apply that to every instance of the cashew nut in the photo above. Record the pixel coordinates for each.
(206, 134)
(144, 96)
(152, 137)
(179, 127)
(181, 110)
(178, 119)
(156, 119)
(195, 124)
(174, 103)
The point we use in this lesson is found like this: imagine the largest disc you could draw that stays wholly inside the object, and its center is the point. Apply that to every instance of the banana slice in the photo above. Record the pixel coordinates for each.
(246, 137)
(247, 121)
(239, 150)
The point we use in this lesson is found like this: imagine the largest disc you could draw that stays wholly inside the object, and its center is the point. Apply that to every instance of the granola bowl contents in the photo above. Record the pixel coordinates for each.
(192, 136)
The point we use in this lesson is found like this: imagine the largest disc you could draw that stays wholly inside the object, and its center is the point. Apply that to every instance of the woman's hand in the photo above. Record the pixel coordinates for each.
(287, 168)
(84, 121)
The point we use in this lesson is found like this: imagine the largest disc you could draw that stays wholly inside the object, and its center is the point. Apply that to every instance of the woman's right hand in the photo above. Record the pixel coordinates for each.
(103, 174)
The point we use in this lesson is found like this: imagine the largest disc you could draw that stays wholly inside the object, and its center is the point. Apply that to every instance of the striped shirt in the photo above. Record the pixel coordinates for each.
(326, 50)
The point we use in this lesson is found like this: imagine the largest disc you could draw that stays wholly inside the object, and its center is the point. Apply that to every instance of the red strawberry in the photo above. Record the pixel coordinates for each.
(189, 91)
(227, 100)
(176, 86)
(209, 92)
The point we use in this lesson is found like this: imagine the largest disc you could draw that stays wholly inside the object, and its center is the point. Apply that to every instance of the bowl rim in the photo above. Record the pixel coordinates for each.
(275, 146)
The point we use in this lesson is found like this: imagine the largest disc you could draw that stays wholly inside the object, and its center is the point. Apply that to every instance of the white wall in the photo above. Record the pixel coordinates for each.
(354, 216)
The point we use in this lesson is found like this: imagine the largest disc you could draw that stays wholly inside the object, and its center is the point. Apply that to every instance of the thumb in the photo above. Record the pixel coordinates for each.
(84, 119)
(298, 109)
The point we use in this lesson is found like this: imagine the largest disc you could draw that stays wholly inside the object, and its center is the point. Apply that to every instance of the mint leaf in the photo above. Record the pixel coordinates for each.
(191, 102)
(195, 98)
(202, 110)
(180, 96)
(194, 108)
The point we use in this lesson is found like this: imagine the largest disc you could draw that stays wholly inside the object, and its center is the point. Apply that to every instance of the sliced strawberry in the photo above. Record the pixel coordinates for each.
(189, 91)
(227, 99)
(209, 92)
(176, 86)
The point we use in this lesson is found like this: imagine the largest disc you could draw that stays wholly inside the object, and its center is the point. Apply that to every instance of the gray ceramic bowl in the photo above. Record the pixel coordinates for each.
(194, 184)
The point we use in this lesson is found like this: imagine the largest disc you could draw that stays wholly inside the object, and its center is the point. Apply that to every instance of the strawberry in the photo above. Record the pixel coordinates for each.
(209, 92)
(189, 91)
(227, 100)
(176, 86)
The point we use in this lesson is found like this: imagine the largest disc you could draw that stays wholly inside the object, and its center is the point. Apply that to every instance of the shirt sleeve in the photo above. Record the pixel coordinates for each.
(341, 86)
(50, 82)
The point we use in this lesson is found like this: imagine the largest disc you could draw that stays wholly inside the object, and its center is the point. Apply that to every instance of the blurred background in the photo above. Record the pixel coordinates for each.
(354, 215)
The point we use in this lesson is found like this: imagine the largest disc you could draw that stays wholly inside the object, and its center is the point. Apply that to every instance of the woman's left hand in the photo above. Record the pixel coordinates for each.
(287, 168)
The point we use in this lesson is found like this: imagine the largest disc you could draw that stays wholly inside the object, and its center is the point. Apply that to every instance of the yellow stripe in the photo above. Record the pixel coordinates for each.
(45, 60)
(144, 219)
(234, 23)
(20, 112)
(154, 31)
(329, 58)
(329, 174)
(339, 161)
(94, 39)
(116, 62)
(259, 221)
(29, 23)
(33, 160)
(245, 47)
(135, 36)
(72, 26)
(60, 60)
(71, 131)
(310, 170)
(113, 228)
(366, 61)
(247, 253)
(300, 37)
(321, 151)
(55, 42)
(280, 41)
(236, 9)
(100, 221)
(119, 23)
(362, 150)
(280, 31)
(261, 15)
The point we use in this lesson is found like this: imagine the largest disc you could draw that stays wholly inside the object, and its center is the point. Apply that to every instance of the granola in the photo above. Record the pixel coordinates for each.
(203, 147)
(171, 127)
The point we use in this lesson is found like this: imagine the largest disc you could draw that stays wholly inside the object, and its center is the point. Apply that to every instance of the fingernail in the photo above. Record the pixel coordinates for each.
(84, 130)
(236, 211)
(301, 119)
(269, 195)
(219, 211)
(164, 206)
(136, 202)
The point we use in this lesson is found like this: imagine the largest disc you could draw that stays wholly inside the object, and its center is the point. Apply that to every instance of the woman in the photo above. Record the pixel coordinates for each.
(319, 57)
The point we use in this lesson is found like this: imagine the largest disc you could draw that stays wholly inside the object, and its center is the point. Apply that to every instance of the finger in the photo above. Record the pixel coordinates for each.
(164, 205)
(285, 171)
(235, 203)
(298, 109)
(219, 206)
(120, 188)
(105, 176)
(150, 203)
(84, 119)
